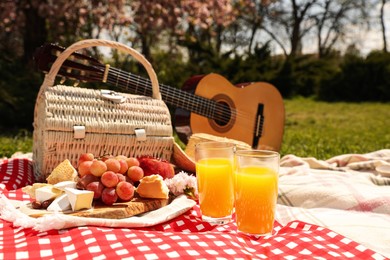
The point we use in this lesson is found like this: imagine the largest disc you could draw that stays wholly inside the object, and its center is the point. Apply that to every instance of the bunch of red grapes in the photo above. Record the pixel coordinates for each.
(111, 178)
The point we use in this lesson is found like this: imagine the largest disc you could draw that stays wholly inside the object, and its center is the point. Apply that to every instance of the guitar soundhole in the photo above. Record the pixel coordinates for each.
(223, 114)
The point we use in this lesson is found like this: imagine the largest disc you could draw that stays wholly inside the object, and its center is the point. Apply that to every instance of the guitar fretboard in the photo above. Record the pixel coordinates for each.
(178, 98)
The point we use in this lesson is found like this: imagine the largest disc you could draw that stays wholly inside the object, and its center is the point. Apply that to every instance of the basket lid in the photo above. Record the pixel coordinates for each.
(69, 107)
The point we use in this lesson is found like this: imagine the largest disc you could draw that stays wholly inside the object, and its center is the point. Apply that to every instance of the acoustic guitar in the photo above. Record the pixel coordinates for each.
(251, 112)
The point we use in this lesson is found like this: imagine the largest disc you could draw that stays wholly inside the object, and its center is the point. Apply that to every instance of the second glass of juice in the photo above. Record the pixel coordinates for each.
(214, 173)
(256, 190)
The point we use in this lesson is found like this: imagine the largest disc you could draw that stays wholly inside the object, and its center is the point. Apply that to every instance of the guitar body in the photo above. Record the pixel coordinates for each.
(247, 104)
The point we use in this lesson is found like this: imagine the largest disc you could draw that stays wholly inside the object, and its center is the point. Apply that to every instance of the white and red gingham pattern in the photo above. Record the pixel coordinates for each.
(16, 173)
(183, 237)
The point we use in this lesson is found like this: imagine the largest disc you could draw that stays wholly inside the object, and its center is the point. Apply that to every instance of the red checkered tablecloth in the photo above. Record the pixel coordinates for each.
(183, 237)
(16, 173)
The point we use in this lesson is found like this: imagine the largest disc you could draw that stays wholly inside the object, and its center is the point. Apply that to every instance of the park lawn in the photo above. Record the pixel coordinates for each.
(312, 128)
(15, 140)
(323, 130)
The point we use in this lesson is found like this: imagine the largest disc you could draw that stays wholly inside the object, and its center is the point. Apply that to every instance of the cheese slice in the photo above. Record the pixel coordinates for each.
(65, 184)
(79, 199)
(61, 203)
(30, 189)
(46, 193)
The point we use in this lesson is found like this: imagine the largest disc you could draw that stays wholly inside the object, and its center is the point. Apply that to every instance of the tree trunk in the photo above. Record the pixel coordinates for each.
(35, 33)
(145, 46)
(383, 25)
(296, 45)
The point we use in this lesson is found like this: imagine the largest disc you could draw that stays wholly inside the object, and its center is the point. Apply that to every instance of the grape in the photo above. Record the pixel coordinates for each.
(109, 196)
(109, 179)
(85, 168)
(132, 161)
(123, 166)
(118, 157)
(36, 204)
(113, 165)
(97, 188)
(135, 173)
(98, 168)
(45, 204)
(85, 180)
(125, 190)
(85, 157)
(121, 177)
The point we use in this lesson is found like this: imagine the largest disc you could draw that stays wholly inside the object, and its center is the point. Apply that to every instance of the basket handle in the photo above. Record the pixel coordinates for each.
(50, 77)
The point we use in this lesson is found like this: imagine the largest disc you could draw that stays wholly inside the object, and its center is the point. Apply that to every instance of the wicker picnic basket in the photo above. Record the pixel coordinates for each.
(70, 120)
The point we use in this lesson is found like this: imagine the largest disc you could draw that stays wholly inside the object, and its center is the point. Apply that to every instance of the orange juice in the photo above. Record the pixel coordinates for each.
(256, 192)
(215, 186)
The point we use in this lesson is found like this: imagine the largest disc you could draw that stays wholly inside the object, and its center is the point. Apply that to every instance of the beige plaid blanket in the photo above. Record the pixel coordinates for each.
(345, 193)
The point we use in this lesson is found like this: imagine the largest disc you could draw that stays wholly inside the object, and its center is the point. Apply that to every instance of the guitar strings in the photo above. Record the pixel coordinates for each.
(207, 107)
(135, 81)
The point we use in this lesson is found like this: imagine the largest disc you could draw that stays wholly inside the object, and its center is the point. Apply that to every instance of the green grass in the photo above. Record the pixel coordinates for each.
(316, 129)
(324, 130)
(13, 140)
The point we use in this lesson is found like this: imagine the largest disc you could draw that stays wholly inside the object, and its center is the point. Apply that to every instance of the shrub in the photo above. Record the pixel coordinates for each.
(303, 75)
(19, 86)
(360, 79)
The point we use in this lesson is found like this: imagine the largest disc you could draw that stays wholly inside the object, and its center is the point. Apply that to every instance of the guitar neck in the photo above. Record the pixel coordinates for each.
(178, 98)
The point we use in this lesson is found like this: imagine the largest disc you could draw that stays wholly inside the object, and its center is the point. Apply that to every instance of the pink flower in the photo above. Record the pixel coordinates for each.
(183, 183)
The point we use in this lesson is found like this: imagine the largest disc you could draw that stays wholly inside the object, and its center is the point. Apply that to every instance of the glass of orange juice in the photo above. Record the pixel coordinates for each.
(214, 173)
(256, 190)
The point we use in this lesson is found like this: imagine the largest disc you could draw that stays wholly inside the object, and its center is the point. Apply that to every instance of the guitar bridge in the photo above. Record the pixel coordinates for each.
(258, 131)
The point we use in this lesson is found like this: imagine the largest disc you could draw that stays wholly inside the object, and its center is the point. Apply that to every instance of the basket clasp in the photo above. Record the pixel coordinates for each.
(112, 95)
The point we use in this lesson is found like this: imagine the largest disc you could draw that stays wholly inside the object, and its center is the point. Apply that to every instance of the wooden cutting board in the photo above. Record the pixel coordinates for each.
(118, 210)
(122, 209)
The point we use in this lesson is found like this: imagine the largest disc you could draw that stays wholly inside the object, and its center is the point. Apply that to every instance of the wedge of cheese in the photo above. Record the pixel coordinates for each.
(61, 203)
(46, 193)
(30, 189)
(65, 184)
(79, 199)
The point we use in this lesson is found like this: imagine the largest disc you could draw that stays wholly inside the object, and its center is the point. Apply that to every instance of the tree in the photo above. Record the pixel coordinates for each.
(383, 25)
(10, 35)
(205, 22)
(294, 19)
(152, 20)
(332, 20)
(196, 25)
(27, 24)
(251, 13)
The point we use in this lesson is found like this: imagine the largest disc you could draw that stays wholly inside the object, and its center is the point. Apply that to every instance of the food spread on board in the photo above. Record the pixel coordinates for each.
(105, 187)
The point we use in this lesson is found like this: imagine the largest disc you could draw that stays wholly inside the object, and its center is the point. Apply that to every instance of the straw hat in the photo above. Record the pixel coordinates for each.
(186, 159)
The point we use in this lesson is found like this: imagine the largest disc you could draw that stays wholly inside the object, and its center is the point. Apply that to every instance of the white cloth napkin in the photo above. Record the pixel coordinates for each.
(9, 212)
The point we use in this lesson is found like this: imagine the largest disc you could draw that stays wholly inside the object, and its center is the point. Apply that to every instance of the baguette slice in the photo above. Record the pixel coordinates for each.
(153, 187)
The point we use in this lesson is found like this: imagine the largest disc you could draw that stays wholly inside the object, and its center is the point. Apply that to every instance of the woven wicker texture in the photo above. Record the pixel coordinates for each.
(109, 127)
